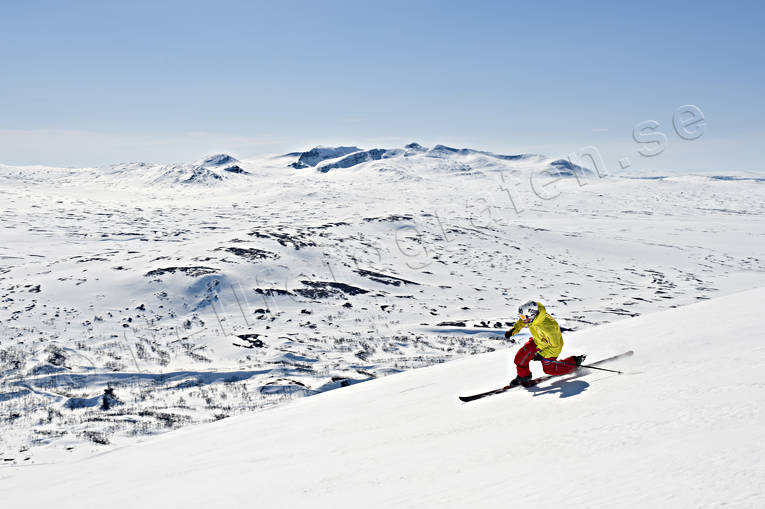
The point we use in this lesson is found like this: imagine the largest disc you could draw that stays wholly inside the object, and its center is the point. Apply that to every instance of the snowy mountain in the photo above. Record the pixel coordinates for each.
(208, 171)
(318, 154)
(193, 292)
(218, 160)
(681, 428)
(416, 157)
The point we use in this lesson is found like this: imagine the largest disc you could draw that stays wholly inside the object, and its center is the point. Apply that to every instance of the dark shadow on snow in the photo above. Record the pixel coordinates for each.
(564, 388)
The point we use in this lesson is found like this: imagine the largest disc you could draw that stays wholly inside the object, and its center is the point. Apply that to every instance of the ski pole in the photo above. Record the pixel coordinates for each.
(586, 366)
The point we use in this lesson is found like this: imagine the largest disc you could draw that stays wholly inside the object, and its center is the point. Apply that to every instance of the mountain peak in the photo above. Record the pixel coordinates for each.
(318, 154)
(219, 160)
(415, 146)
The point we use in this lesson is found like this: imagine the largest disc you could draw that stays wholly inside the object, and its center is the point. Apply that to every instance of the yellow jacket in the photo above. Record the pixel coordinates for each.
(546, 333)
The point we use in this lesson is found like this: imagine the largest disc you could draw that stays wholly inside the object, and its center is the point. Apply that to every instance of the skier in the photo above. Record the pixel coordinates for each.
(545, 344)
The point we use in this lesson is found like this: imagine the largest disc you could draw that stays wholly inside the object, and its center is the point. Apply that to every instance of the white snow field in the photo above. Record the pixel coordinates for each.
(195, 292)
(683, 427)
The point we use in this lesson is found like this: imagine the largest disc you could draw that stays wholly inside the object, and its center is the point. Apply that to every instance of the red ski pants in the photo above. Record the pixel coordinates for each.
(550, 366)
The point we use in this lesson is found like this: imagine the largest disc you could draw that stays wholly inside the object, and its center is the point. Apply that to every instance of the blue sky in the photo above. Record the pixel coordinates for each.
(87, 83)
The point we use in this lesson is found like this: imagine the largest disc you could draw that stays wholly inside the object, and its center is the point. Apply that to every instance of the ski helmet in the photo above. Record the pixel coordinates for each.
(528, 311)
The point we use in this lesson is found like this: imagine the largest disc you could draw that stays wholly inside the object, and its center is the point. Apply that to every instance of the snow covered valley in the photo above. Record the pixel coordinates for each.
(139, 299)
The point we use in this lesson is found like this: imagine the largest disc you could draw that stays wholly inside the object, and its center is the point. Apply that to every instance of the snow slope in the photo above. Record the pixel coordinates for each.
(200, 290)
(682, 429)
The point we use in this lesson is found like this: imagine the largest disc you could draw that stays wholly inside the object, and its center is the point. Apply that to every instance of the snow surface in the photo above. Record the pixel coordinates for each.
(198, 291)
(682, 428)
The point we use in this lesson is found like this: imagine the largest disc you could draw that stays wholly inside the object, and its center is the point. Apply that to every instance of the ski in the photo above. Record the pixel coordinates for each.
(540, 379)
(484, 394)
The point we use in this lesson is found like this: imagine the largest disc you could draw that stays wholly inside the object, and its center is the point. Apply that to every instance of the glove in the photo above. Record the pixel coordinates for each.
(538, 356)
(507, 334)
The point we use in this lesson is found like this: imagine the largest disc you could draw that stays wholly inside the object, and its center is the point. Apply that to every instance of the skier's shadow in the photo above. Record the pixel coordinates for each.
(564, 388)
